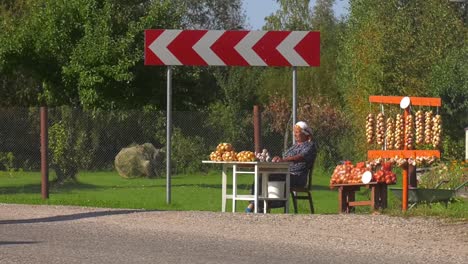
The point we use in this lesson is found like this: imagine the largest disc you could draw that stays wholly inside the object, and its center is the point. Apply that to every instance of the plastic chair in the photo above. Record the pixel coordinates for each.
(307, 196)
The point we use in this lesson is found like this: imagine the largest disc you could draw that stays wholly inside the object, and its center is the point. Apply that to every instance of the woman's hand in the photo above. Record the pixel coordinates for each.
(276, 159)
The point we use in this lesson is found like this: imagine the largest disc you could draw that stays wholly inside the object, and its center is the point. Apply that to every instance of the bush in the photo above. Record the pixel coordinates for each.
(72, 142)
(62, 151)
(453, 149)
(187, 153)
(455, 172)
(6, 161)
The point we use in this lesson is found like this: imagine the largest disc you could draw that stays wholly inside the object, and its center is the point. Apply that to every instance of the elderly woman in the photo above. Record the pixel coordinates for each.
(301, 155)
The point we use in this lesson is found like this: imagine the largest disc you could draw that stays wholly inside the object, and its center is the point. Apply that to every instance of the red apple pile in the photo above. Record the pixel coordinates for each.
(385, 174)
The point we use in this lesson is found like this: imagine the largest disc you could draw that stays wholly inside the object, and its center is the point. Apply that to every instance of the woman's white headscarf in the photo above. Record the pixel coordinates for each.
(306, 130)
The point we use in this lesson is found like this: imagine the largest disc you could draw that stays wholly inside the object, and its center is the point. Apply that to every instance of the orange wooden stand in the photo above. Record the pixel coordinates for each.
(347, 196)
(422, 101)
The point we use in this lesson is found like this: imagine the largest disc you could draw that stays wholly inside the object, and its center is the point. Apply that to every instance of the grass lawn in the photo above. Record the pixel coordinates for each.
(197, 192)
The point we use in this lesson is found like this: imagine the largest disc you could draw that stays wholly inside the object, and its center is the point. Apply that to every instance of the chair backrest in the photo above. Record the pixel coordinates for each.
(311, 170)
(309, 178)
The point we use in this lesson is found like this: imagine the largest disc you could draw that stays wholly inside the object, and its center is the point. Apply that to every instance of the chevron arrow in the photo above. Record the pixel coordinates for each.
(232, 48)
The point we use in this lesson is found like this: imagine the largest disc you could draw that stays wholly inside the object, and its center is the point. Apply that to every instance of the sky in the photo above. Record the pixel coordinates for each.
(257, 10)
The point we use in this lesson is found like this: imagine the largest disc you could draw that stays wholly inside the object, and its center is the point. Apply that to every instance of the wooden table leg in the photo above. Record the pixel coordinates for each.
(375, 193)
(341, 200)
(345, 195)
(379, 196)
(384, 196)
(224, 189)
(351, 197)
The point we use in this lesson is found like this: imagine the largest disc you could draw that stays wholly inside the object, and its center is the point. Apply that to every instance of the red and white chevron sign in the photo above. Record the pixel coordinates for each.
(232, 48)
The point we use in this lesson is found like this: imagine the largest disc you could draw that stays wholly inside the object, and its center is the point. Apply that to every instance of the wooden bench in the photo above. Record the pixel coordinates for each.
(347, 196)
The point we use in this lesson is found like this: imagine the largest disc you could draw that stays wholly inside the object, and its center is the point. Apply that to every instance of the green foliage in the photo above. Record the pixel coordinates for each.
(105, 62)
(297, 15)
(90, 52)
(396, 48)
(212, 14)
(292, 15)
(453, 149)
(449, 80)
(7, 161)
(328, 122)
(230, 119)
(187, 152)
(61, 149)
(72, 142)
(230, 124)
(454, 172)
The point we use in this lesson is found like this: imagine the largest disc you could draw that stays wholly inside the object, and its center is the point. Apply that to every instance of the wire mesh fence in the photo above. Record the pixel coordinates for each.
(91, 140)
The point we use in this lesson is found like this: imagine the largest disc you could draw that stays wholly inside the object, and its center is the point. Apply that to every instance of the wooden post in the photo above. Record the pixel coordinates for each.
(44, 154)
(413, 181)
(404, 199)
(257, 129)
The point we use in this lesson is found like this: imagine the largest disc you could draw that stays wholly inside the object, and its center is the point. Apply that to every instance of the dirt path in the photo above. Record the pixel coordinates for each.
(207, 237)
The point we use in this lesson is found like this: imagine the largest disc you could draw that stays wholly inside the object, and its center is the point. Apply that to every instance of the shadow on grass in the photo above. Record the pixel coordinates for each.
(70, 217)
(321, 188)
(73, 186)
(203, 185)
(36, 188)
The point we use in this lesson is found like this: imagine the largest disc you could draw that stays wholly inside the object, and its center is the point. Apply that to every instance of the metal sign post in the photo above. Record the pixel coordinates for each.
(294, 101)
(168, 134)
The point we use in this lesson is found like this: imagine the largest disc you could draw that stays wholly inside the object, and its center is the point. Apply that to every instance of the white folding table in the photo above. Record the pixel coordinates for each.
(257, 169)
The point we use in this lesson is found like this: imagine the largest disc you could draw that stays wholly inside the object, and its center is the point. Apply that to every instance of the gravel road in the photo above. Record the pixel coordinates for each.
(64, 234)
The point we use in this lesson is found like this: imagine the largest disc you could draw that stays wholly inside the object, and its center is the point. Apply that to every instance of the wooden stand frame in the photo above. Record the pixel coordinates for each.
(347, 196)
(405, 153)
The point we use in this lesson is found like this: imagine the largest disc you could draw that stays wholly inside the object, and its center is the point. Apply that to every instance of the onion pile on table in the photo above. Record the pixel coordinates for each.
(263, 156)
(342, 173)
(246, 156)
(347, 173)
(230, 156)
(224, 152)
(356, 173)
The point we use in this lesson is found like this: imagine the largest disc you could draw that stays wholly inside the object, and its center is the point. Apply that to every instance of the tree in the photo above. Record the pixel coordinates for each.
(213, 14)
(82, 51)
(391, 47)
(320, 81)
(297, 15)
(449, 80)
(328, 122)
(228, 116)
(292, 15)
(90, 52)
